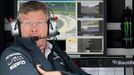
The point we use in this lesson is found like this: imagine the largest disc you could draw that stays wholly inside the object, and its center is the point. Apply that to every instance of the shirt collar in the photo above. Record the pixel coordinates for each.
(48, 49)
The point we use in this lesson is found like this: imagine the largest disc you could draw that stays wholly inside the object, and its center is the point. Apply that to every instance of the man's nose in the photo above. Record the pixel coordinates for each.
(34, 27)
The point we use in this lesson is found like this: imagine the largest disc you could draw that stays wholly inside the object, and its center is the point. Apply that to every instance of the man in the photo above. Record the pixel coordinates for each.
(34, 57)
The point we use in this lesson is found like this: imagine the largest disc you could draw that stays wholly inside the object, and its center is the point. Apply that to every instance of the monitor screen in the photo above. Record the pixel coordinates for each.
(90, 9)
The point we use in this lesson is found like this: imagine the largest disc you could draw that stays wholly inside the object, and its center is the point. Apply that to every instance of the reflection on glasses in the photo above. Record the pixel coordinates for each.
(29, 24)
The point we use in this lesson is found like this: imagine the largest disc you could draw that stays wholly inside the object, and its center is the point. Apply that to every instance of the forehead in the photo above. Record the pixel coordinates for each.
(33, 15)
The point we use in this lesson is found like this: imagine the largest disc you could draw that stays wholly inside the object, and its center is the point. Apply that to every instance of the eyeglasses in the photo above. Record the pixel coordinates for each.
(30, 24)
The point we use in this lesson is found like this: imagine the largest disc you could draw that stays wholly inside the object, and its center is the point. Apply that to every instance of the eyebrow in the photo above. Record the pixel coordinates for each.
(26, 19)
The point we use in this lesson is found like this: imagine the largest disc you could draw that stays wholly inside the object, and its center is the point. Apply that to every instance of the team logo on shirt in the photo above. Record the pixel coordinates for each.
(58, 58)
(14, 60)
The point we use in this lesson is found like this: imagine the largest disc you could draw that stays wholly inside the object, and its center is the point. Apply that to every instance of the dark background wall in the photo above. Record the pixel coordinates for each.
(115, 9)
(8, 10)
(2, 44)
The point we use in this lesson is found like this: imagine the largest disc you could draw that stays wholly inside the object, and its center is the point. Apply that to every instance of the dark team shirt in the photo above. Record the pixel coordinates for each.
(19, 60)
